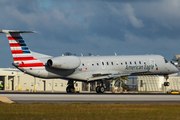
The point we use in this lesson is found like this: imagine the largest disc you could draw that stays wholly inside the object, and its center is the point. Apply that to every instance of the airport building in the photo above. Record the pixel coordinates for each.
(13, 79)
(156, 83)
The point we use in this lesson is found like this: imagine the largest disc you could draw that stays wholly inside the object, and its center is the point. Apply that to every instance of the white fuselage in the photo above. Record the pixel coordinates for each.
(102, 67)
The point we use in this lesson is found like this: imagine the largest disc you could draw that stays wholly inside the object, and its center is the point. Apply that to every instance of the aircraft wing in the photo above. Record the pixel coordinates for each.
(112, 76)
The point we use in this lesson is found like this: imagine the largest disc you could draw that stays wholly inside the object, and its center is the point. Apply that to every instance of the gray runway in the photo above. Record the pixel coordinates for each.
(93, 98)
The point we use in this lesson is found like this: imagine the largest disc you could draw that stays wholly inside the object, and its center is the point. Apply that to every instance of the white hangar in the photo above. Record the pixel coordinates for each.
(13, 79)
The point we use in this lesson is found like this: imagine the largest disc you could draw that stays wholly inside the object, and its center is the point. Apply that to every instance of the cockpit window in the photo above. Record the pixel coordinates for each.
(165, 60)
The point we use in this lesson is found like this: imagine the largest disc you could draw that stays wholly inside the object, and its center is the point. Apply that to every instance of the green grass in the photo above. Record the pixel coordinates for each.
(87, 111)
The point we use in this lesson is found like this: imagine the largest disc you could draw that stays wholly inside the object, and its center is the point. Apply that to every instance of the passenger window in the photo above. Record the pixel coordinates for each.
(135, 62)
(130, 63)
(112, 63)
(116, 63)
(144, 62)
(139, 62)
(126, 63)
(102, 63)
(121, 63)
(92, 64)
(107, 63)
(82, 64)
(97, 64)
(88, 64)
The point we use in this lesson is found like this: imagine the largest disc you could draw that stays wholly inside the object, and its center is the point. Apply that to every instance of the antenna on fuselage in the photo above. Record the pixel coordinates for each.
(81, 54)
(115, 54)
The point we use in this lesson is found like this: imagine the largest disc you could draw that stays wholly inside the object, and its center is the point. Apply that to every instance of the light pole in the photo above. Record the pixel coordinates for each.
(18, 82)
(145, 86)
(34, 84)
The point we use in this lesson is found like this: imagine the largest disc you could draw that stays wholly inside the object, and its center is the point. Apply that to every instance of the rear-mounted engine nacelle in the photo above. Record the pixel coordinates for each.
(64, 62)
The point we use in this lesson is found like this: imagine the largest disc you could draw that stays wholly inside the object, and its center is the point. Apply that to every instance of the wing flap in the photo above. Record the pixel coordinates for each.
(99, 76)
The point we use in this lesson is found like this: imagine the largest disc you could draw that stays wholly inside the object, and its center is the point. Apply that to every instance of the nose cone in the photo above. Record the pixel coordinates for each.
(174, 69)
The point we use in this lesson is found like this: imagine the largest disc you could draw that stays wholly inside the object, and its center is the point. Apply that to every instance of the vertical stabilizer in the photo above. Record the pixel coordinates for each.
(21, 54)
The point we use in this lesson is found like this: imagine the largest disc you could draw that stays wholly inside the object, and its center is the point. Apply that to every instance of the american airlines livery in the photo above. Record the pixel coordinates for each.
(87, 69)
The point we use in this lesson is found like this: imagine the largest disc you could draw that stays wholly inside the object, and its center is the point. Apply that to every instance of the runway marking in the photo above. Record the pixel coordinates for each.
(5, 100)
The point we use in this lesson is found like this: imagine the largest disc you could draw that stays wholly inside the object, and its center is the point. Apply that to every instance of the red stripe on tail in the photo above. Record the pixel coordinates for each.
(14, 45)
(23, 58)
(31, 65)
(13, 38)
(17, 51)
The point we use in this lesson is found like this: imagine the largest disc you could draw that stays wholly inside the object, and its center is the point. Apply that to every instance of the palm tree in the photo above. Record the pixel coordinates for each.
(120, 81)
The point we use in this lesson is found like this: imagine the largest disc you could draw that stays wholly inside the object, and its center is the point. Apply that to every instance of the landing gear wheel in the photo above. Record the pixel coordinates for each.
(166, 83)
(97, 89)
(101, 90)
(70, 89)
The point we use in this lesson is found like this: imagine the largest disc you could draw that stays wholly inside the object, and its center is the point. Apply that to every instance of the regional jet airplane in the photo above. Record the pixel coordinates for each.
(87, 69)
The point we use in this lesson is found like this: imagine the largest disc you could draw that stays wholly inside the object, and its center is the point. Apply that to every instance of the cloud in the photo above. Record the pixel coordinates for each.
(45, 3)
(129, 11)
(127, 15)
(96, 26)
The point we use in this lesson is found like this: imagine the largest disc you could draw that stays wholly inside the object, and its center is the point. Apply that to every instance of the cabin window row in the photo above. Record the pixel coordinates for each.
(112, 63)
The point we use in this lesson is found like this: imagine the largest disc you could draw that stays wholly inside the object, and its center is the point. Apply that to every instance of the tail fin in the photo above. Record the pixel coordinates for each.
(21, 54)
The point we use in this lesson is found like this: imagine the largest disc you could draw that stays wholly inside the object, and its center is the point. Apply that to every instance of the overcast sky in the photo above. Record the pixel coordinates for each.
(99, 27)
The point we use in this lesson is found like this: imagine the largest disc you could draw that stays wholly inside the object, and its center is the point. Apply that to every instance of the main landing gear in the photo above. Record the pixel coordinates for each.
(100, 89)
(70, 88)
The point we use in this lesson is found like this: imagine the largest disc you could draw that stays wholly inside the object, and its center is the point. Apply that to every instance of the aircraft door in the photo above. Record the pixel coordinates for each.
(152, 65)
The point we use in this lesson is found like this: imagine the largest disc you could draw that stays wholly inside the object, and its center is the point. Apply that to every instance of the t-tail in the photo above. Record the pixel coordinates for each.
(22, 56)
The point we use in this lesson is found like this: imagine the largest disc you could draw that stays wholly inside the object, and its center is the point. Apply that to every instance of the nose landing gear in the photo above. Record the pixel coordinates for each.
(166, 83)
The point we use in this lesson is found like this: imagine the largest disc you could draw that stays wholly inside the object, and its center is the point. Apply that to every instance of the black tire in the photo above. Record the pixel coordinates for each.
(68, 89)
(72, 89)
(101, 89)
(97, 89)
(165, 83)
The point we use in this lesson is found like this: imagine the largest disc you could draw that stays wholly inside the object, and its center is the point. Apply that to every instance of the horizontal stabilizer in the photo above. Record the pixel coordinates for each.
(16, 31)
